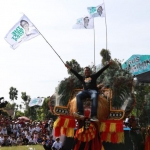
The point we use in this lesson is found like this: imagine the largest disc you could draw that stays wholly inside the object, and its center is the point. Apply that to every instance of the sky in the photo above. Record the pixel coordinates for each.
(34, 67)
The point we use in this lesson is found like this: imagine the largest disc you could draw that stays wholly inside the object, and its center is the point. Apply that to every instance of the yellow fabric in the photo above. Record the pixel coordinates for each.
(109, 137)
(66, 123)
(121, 137)
(70, 132)
(102, 127)
(56, 123)
(81, 130)
(112, 127)
(102, 148)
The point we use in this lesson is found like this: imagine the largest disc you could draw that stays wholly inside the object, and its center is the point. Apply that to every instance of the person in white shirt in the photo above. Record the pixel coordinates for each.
(1, 139)
(31, 141)
(13, 141)
(57, 145)
(31, 129)
(19, 140)
(37, 128)
(28, 136)
(4, 130)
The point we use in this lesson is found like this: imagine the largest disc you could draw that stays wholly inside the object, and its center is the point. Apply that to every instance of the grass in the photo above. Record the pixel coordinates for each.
(34, 147)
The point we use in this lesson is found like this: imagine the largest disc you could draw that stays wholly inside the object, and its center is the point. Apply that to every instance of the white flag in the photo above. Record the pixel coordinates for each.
(36, 102)
(98, 11)
(84, 23)
(22, 31)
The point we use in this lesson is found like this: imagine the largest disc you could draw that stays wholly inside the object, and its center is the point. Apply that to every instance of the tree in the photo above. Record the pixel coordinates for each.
(119, 80)
(74, 64)
(13, 93)
(106, 55)
(26, 99)
(141, 90)
(29, 111)
(19, 114)
(9, 109)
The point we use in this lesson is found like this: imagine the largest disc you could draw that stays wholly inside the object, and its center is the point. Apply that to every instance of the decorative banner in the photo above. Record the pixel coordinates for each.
(112, 131)
(86, 135)
(22, 31)
(137, 64)
(36, 101)
(84, 23)
(64, 125)
(98, 11)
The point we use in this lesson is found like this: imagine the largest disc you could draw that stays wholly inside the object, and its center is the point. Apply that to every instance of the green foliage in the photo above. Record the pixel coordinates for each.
(119, 80)
(26, 99)
(67, 85)
(75, 65)
(18, 114)
(13, 93)
(10, 106)
(38, 112)
(106, 55)
(142, 107)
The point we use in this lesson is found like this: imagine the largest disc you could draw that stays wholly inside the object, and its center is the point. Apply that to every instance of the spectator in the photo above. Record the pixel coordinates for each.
(25, 140)
(28, 136)
(39, 140)
(1, 139)
(31, 141)
(19, 140)
(13, 141)
(57, 145)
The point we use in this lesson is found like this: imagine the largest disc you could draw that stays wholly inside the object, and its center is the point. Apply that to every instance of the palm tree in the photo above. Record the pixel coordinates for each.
(13, 93)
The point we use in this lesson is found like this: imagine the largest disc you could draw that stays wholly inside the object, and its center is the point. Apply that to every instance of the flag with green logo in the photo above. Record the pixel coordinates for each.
(36, 102)
(22, 31)
(98, 11)
(86, 22)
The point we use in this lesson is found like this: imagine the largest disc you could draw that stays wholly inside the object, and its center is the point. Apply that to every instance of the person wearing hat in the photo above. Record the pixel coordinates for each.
(57, 145)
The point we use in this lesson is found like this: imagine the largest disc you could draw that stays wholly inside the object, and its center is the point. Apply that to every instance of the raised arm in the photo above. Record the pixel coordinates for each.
(74, 72)
(103, 69)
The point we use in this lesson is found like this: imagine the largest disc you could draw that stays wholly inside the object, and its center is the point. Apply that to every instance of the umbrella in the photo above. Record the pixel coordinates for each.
(24, 118)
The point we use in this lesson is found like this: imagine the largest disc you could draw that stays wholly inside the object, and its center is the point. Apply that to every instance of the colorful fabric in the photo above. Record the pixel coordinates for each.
(112, 131)
(64, 125)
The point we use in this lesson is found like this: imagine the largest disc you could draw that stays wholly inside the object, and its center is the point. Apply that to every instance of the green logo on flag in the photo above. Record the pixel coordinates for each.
(79, 21)
(17, 33)
(92, 10)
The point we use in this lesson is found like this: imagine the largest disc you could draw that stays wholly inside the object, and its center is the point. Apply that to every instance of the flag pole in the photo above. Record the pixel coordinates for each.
(49, 45)
(105, 24)
(94, 44)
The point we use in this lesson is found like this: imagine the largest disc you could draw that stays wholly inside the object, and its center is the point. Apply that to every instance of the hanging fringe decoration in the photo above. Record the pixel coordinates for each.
(147, 142)
(112, 131)
(64, 125)
(86, 135)
(77, 146)
(90, 137)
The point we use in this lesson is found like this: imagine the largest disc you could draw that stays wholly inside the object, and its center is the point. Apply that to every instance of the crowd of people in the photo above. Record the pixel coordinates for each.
(15, 132)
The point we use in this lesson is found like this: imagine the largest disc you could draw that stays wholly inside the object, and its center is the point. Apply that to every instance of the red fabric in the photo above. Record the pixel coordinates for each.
(64, 131)
(77, 145)
(57, 131)
(114, 138)
(147, 143)
(119, 125)
(96, 144)
(104, 136)
(71, 123)
(86, 146)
